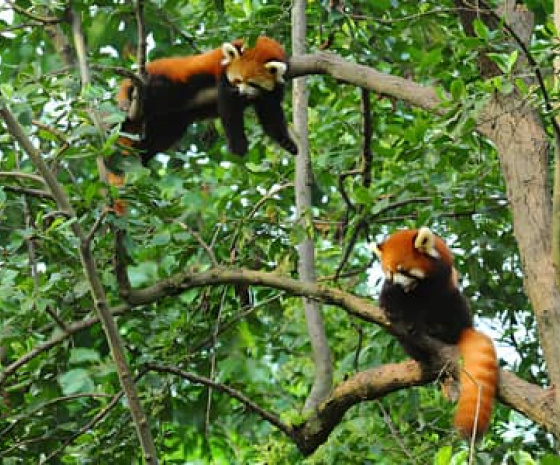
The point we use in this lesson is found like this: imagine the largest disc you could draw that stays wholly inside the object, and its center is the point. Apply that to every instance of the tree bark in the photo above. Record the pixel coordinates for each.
(323, 377)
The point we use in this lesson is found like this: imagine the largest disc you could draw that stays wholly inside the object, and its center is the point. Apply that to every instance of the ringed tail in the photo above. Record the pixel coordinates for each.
(478, 381)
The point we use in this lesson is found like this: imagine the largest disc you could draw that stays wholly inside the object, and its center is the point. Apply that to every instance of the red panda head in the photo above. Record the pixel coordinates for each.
(257, 69)
(412, 255)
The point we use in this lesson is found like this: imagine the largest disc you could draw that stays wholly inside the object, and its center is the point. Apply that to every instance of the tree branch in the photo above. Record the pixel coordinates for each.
(304, 178)
(96, 287)
(194, 378)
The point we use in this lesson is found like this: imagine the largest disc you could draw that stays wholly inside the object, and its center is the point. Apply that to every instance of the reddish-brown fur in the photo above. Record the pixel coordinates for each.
(161, 131)
(179, 69)
(478, 379)
(249, 67)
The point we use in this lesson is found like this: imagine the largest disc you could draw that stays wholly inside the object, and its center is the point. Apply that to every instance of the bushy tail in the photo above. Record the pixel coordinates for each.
(478, 383)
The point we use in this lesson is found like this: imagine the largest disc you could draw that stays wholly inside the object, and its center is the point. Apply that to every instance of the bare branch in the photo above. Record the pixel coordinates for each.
(323, 377)
(30, 192)
(25, 12)
(227, 390)
(21, 175)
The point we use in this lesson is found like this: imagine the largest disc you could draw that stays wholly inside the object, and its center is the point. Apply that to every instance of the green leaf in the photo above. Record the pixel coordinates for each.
(443, 456)
(480, 29)
(458, 90)
(76, 381)
(83, 355)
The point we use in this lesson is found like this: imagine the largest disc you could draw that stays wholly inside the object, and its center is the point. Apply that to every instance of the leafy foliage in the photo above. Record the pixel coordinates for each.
(427, 169)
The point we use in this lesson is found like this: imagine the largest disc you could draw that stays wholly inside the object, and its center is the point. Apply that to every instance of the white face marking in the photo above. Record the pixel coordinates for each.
(407, 279)
(248, 90)
(408, 283)
(417, 273)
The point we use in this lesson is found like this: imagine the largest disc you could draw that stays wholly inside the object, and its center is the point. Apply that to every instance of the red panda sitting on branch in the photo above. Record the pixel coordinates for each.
(420, 290)
(242, 77)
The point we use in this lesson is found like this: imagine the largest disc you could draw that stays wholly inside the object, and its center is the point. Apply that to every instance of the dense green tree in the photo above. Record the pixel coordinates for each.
(434, 113)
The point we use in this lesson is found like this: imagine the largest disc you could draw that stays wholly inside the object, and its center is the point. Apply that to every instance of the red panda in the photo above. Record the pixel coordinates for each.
(421, 291)
(242, 77)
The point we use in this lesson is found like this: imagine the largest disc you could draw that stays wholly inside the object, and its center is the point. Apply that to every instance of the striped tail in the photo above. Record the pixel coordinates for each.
(478, 383)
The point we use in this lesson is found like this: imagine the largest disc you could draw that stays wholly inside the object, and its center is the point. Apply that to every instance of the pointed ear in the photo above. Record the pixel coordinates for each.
(425, 242)
(377, 249)
(277, 69)
(230, 52)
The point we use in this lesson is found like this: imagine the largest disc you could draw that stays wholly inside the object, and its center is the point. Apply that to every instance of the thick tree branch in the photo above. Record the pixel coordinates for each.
(366, 385)
(368, 78)
(530, 400)
(182, 281)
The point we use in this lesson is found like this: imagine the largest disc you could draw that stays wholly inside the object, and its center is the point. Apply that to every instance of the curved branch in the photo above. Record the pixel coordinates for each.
(358, 75)
(362, 76)
(366, 385)
(194, 378)
(180, 282)
(54, 341)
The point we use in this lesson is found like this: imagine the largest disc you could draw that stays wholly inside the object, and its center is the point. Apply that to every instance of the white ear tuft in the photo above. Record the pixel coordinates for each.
(425, 242)
(278, 69)
(230, 52)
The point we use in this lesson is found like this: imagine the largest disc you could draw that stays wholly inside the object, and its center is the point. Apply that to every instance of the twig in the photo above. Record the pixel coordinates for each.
(252, 213)
(98, 222)
(30, 192)
(21, 175)
(367, 129)
(54, 341)
(248, 403)
(54, 131)
(202, 243)
(215, 333)
(395, 433)
(40, 19)
(61, 324)
(25, 416)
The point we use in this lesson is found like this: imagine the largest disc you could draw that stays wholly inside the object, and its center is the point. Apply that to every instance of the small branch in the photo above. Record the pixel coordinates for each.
(61, 44)
(91, 424)
(367, 155)
(54, 131)
(61, 324)
(14, 421)
(215, 333)
(54, 341)
(93, 231)
(248, 403)
(141, 32)
(256, 207)
(395, 433)
(202, 243)
(29, 192)
(121, 261)
(40, 19)
(21, 175)
(362, 224)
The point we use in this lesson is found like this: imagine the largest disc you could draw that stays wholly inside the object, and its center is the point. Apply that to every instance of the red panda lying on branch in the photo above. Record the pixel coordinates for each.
(243, 77)
(220, 83)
